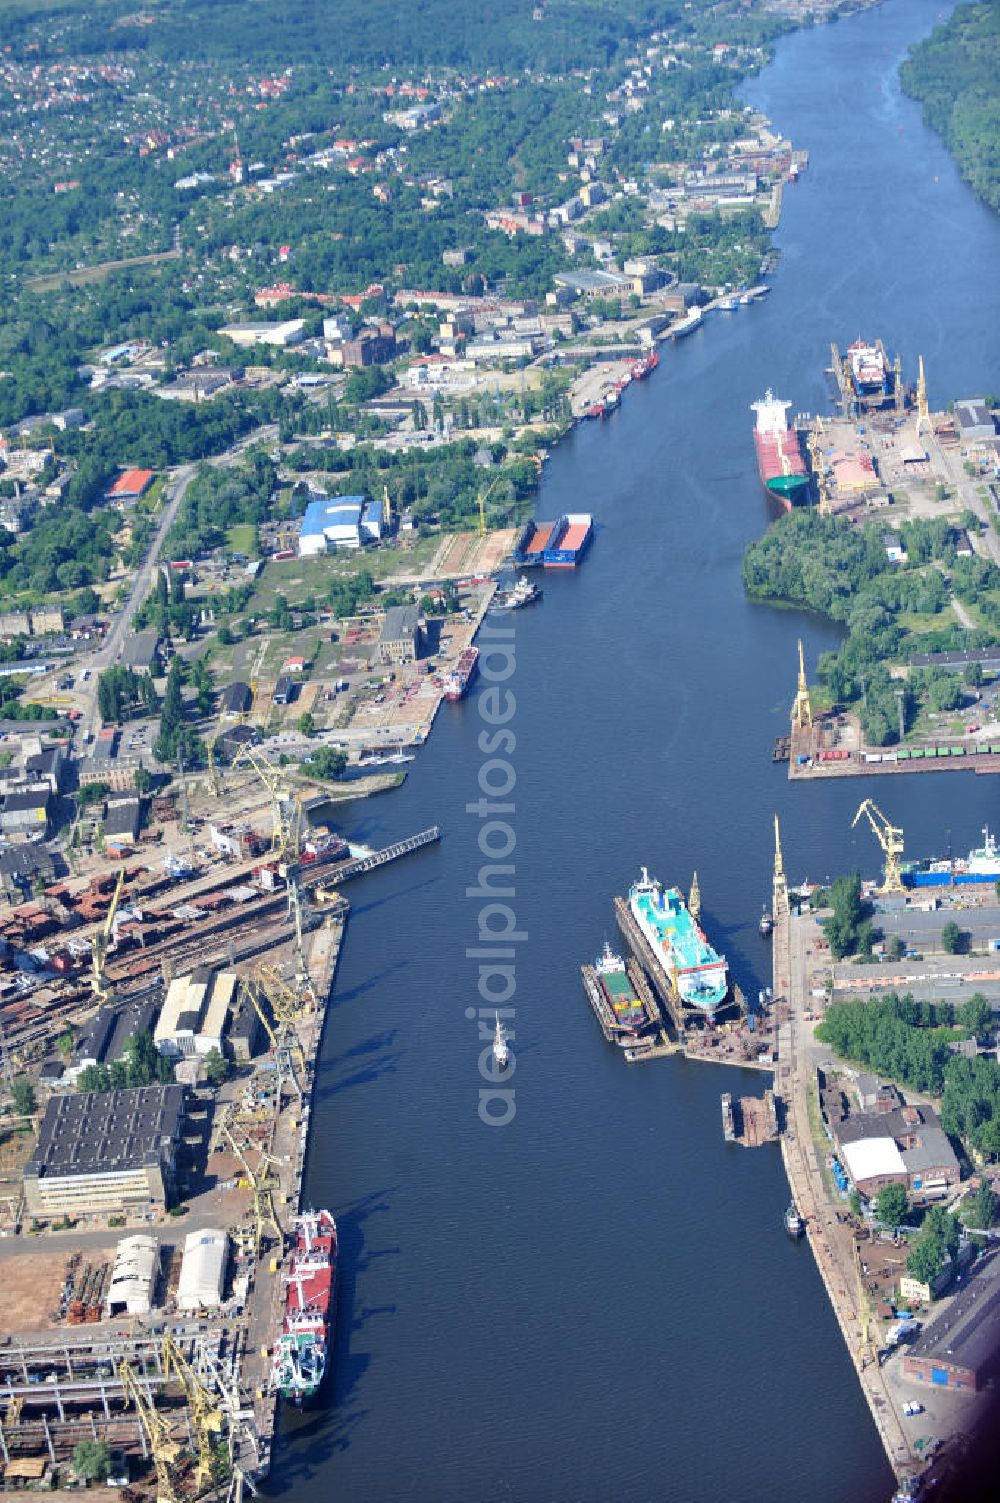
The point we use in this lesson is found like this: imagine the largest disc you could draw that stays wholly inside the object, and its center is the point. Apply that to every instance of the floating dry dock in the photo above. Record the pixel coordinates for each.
(683, 1017)
(614, 1030)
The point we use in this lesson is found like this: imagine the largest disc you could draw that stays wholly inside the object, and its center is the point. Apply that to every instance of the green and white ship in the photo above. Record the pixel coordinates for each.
(698, 975)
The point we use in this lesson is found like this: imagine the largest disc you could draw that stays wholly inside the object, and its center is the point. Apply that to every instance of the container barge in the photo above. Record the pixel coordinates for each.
(623, 1006)
(555, 545)
(781, 463)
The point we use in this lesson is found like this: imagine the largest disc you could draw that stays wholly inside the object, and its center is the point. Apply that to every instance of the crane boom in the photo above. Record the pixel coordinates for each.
(890, 838)
(100, 941)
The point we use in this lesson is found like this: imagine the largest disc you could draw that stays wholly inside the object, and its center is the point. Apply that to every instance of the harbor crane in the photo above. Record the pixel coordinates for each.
(890, 838)
(779, 899)
(923, 411)
(802, 716)
(263, 1182)
(206, 1416)
(286, 807)
(100, 942)
(164, 1450)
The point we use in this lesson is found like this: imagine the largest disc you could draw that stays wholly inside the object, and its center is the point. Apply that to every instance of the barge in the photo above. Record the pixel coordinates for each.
(555, 545)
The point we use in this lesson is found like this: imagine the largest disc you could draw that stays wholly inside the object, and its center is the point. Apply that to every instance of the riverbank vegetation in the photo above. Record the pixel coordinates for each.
(843, 571)
(955, 74)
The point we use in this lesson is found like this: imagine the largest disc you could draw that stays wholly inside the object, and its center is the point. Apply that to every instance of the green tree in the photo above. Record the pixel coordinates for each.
(925, 1260)
(216, 1066)
(951, 938)
(24, 1098)
(849, 930)
(893, 1204)
(306, 723)
(326, 762)
(984, 1206)
(92, 1460)
(976, 1015)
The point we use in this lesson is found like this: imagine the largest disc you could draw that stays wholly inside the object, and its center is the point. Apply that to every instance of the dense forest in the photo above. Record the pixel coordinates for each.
(571, 33)
(955, 74)
(842, 571)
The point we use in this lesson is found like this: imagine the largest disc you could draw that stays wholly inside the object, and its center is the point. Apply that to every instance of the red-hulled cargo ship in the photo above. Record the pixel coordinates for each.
(300, 1355)
(462, 675)
(783, 470)
(644, 368)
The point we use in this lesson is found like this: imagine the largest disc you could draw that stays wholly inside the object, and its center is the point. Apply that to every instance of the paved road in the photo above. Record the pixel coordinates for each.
(794, 975)
(121, 624)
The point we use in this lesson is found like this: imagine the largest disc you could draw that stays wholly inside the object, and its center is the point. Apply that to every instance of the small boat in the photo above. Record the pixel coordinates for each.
(766, 923)
(794, 1223)
(524, 592)
(501, 1053)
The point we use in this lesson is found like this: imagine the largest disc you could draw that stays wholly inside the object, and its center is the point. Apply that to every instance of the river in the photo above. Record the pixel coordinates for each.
(598, 1301)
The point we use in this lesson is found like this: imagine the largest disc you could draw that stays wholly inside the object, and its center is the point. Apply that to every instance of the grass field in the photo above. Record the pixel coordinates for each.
(297, 578)
(921, 621)
(243, 539)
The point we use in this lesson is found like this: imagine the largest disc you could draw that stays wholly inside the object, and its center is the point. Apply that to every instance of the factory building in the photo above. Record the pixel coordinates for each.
(105, 1152)
(203, 1270)
(133, 1277)
(195, 1013)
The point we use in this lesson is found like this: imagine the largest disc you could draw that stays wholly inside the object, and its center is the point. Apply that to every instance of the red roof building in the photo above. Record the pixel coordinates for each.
(130, 485)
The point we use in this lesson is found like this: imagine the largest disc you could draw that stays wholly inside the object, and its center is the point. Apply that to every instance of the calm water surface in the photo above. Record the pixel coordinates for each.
(598, 1301)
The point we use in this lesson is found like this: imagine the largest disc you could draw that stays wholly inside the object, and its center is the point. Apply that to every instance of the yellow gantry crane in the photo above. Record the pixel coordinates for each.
(802, 715)
(923, 411)
(164, 1450)
(206, 1416)
(890, 838)
(100, 942)
(286, 807)
(263, 1183)
(779, 897)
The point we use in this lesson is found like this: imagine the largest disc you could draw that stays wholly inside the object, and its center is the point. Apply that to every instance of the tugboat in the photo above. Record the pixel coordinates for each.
(501, 1054)
(766, 923)
(794, 1223)
(524, 592)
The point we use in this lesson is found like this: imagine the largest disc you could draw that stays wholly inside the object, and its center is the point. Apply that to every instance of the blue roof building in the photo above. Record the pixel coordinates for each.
(339, 522)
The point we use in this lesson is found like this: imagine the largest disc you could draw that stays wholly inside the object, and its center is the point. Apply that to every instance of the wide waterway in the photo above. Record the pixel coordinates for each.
(598, 1301)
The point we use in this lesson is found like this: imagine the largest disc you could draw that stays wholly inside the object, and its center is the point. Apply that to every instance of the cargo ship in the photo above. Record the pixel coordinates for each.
(981, 865)
(869, 369)
(301, 1352)
(780, 461)
(643, 368)
(555, 545)
(461, 676)
(698, 975)
(624, 1017)
(686, 325)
